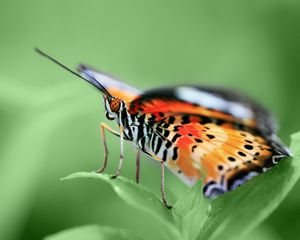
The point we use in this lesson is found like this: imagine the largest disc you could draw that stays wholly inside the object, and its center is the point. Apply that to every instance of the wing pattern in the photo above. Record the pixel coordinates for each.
(199, 142)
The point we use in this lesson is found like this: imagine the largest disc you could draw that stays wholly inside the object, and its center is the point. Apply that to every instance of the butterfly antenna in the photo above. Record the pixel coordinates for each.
(92, 80)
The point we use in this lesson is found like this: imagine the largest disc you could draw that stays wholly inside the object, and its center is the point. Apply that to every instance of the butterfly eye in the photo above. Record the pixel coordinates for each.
(115, 104)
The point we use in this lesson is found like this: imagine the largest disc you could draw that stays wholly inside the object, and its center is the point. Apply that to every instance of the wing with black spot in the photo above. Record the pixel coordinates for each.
(215, 104)
(222, 154)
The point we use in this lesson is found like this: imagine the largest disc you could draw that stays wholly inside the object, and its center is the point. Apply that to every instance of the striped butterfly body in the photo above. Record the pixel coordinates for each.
(207, 133)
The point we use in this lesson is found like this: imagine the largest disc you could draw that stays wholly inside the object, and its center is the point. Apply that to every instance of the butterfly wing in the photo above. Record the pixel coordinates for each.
(115, 87)
(217, 136)
(215, 104)
(209, 102)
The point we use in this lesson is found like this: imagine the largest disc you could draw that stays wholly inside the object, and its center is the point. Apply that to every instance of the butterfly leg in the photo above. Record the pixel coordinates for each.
(163, 196)
(104, 127)
(276, 159)
(118, 172)
(138, 158)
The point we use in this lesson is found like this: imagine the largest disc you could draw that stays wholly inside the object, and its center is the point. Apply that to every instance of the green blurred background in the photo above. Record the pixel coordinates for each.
(50, 120)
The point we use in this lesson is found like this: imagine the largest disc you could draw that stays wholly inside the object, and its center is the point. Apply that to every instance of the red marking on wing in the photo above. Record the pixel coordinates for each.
(194, 119)
(158, 105)
(184, 142)
(189, 129)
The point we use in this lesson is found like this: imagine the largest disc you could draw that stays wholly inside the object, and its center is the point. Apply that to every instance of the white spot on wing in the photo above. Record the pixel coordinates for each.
(210, 100)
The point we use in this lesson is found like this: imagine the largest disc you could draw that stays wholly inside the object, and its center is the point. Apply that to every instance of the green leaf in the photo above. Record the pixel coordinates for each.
(263, 232)
(188, 201)
(233, 215)
(240, 211)
(190, 211)
(137, 196)
(93, 232)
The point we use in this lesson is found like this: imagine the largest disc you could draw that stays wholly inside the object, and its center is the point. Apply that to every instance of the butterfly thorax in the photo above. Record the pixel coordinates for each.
(145, 133)
(148, 135)
(135, 128)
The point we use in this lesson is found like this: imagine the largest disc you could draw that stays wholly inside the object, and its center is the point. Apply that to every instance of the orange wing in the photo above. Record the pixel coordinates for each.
(157, 105)
(220, 136)
(210, 102)
(224, 156)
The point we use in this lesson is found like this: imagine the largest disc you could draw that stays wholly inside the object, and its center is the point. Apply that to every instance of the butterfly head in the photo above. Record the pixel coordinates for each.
(113, 107)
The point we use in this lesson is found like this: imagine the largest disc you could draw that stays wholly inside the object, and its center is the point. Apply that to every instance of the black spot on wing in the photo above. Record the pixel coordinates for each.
(220, 167)
(205, 120)
(175, 137)
(185, 119)
(165, 125)
(176, 128)
(194, 147)
(171, 120)
(166, 133)
(168, 144)
(175, 153)
(210, 136)
(161, 114)
(248, 147)
(242, 154)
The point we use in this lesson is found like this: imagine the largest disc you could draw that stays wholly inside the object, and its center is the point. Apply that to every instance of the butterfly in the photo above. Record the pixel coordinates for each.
(220, 136)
